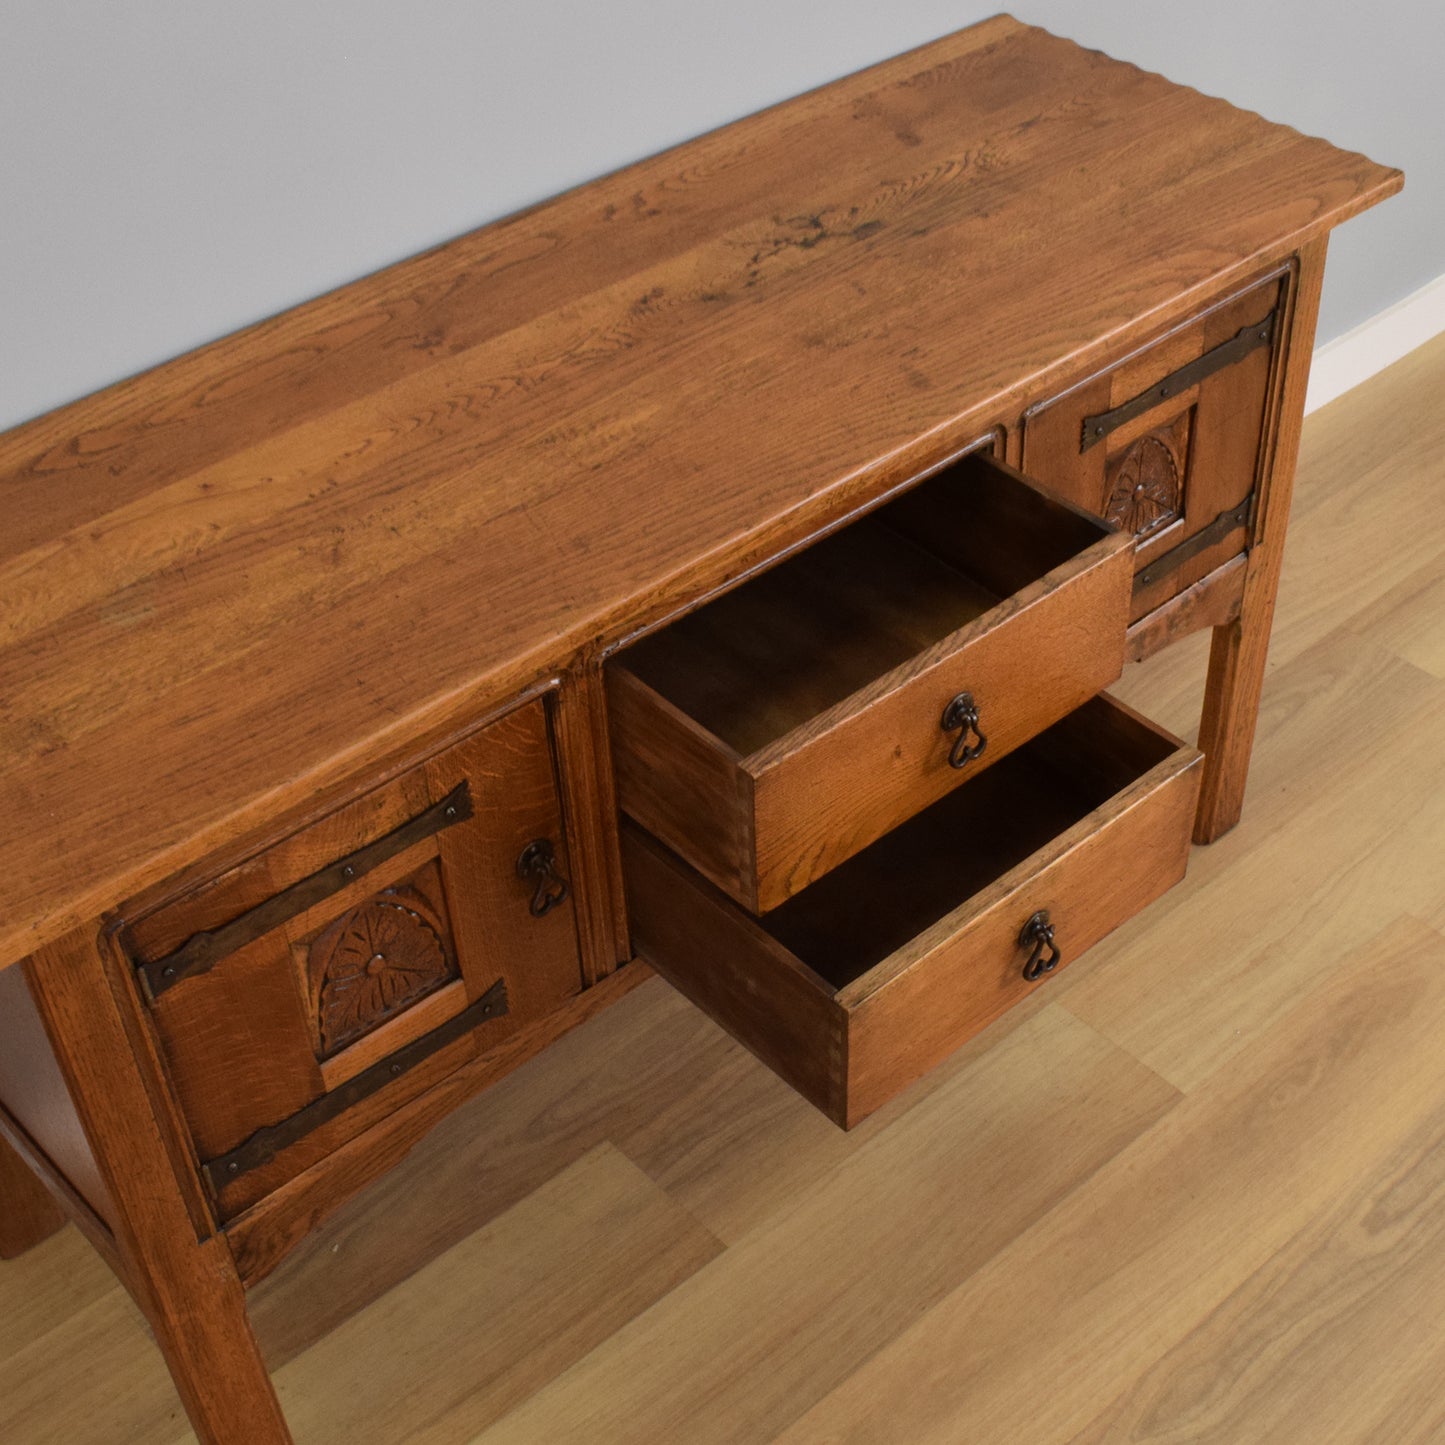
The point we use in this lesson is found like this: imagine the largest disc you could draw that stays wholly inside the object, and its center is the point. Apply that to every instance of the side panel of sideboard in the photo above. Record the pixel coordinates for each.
(29, 1213)
(36, 1109)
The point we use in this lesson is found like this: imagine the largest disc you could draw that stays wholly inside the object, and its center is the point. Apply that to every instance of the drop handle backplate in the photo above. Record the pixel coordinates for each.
(538, 866)
(1037, 935)
(961, 716)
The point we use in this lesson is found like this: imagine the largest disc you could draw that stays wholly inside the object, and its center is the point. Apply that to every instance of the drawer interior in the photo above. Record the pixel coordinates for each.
(853, 918)
(763, 660)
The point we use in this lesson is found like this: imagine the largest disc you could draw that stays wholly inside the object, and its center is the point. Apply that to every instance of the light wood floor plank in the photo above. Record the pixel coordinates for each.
(736, 1353)
(1079, 1308)
(94, 1379)
(1409, 620)
(723, 1135)
(498, 1315)
(1343, 1321)
(1369, 507)
(42, 1289)
(1312, 871)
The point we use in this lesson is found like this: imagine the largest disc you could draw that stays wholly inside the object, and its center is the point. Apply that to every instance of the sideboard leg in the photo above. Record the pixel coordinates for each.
(1240, 648)
(183, 1276)
(28, 1212)
(1226, 730)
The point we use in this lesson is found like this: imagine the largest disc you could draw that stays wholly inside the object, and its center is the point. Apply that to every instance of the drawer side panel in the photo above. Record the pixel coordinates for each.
(681, 783)
(732, 970)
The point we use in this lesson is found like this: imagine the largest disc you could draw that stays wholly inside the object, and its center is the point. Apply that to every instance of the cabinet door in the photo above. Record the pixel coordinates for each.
(1167, 443)
(324, 982)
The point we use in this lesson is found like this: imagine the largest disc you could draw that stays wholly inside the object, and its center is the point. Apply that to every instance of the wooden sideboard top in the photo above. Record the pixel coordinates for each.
(236, 580)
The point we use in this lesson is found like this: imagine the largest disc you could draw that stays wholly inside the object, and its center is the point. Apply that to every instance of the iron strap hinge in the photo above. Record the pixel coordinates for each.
(202, 951)
(265, 1144)
(1247, 339)
(1221, 526)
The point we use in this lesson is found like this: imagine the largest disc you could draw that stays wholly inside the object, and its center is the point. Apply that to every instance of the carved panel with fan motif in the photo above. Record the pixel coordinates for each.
(1145, 483)
(380, 958)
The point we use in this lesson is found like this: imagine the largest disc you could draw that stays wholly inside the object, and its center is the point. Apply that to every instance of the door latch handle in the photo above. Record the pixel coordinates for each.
(538, 864)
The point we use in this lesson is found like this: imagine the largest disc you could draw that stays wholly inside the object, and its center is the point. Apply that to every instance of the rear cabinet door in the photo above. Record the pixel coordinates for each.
(1168, 442)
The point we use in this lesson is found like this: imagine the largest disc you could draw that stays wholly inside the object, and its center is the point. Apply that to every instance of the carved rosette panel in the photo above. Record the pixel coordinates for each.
(374, 962)
(1145, 482)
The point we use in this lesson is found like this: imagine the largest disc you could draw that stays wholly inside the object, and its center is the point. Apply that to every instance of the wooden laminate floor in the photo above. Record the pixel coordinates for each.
(1193, 1190)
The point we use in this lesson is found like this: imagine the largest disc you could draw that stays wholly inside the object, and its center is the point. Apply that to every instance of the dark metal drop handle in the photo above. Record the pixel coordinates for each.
(1037, 935)
(538, 864)
(961, 714)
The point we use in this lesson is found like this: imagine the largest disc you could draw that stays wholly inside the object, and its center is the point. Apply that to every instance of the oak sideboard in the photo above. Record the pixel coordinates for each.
(717, 569)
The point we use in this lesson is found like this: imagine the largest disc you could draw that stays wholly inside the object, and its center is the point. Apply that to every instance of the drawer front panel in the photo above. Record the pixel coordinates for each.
(763, 815)
(1168, 443)
(324, 983)
(955, 981)
(865, 771)
(850, 1040)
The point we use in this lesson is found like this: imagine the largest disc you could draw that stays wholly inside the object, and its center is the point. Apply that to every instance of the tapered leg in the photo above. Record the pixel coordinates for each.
(1240, 648)
(28, 1213)
(183, 1275)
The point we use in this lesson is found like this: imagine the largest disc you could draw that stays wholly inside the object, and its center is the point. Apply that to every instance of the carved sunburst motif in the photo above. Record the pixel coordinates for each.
(383, 958)
(1145, 487)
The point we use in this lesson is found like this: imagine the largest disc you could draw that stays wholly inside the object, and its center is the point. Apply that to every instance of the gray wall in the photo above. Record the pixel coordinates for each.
(173, 169)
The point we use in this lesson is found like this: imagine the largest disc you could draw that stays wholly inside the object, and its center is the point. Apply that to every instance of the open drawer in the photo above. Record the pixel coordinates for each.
(791, 722)
(862, 983)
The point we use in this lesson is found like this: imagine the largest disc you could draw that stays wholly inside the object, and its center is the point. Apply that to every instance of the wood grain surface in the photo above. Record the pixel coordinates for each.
(1191, 1191)
(183, 1277)
(35, 1099)
(246, 1045)
(1239, 649)
(1211, 452)
(262, 1236)
(238, 580)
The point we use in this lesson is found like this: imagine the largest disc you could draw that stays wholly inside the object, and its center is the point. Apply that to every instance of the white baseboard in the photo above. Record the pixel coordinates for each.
(1375, 344)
